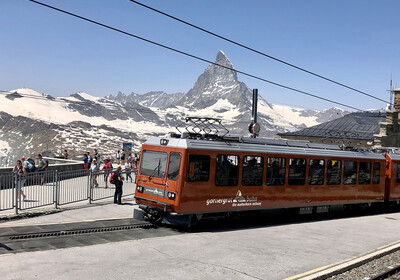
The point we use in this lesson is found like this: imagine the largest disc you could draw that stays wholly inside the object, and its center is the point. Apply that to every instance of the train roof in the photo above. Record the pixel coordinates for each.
(270, 146)
(394, 156)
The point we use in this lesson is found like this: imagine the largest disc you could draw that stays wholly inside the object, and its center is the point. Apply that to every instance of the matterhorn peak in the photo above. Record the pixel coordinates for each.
(222, 59)
(218, 82)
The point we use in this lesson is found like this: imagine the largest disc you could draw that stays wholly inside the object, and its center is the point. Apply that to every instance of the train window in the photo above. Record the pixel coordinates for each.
(253, 171)
(297, 171)
(350, 172)
(173, 166)
(199, 168)
(316, 172)
(153, 163)
(398, 173)
(227, 170)
(334, 172)
(376, 173)
(364, 173)
(276, 170)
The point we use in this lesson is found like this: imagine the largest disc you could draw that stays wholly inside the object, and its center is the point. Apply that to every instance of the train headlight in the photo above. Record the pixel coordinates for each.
(140, 188)
(171, 195)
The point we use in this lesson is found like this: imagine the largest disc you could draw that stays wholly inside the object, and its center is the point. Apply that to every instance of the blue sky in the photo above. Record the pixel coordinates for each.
(352, 42)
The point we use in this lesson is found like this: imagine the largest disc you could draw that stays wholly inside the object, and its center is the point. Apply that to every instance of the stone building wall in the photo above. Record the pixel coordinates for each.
(389, 134)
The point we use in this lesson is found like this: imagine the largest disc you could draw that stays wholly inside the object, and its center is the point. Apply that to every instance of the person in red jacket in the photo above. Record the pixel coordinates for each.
(107, 170)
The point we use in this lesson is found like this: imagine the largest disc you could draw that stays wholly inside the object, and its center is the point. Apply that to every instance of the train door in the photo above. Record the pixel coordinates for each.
(388, 176)
(174, 178)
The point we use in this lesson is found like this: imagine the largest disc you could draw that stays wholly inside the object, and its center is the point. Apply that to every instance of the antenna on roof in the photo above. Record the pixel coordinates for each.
(391, 94)
(254, 127)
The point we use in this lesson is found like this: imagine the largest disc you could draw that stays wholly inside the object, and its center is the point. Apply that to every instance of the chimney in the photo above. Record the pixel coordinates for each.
(397, 99)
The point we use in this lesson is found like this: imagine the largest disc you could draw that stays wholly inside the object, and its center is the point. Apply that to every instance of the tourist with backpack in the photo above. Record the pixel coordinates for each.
(20, 179)
(28, 164)
(118, 185)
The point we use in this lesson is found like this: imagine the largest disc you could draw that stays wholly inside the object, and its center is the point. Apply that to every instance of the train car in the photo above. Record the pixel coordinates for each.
(182, 180)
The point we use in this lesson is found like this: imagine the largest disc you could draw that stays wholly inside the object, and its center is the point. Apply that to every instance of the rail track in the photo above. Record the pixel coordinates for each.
(56, 236)
(391, 273)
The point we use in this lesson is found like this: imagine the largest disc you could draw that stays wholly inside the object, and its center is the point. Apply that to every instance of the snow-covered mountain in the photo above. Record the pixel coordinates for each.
(218, 93)
(158, 99)
(31, 122)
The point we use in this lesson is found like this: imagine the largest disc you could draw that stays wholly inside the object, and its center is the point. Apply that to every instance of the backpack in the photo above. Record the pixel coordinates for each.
(31, 165)
(112, 178)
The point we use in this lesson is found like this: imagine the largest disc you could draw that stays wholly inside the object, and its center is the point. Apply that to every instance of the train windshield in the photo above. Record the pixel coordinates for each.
(153, 163)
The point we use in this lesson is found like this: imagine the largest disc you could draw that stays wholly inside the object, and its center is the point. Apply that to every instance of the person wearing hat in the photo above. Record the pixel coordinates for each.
(94, 167)
(26, 164)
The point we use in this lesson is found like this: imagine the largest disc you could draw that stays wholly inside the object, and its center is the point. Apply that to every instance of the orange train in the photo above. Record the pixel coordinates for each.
(183, 180)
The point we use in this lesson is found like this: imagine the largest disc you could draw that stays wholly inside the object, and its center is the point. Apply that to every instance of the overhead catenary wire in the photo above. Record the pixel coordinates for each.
(259, 52)
(193, 56)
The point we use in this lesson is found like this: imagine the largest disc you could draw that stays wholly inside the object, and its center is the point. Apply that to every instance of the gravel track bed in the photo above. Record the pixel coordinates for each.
(371, 269)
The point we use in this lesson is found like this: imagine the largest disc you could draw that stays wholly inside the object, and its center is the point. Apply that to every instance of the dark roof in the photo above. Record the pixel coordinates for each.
(360, 125)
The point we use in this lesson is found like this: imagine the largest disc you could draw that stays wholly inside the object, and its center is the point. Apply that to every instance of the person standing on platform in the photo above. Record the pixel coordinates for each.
(118, 157)
(90, 159)
(96, 155)
(85, 161)
(65, 154)
(20, 179)
(118, 186)
(43, 163)
(107, 170)
(95, 172)
(122, 157)
(128, 170)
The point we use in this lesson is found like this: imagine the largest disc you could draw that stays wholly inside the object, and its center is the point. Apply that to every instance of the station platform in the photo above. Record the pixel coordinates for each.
(72, 213)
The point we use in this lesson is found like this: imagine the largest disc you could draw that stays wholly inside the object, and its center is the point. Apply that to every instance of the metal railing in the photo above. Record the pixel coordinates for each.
(46, 188)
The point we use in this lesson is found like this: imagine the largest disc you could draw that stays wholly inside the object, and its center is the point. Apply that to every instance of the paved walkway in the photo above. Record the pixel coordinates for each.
(77, 212)
(269, 252)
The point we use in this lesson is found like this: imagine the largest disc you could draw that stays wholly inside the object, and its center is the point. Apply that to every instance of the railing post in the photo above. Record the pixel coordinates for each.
(15, 192)
(56, 188)
(90, 190)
